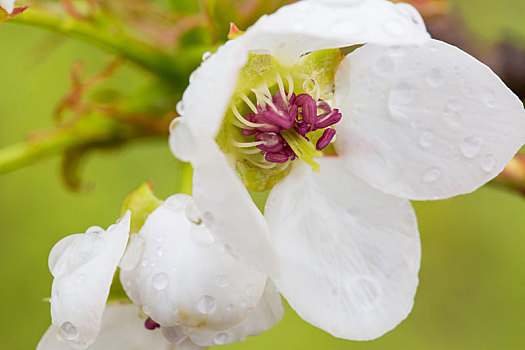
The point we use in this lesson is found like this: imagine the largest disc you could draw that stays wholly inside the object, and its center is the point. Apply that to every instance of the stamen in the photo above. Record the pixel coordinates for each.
(150, 324)
(325, 139)
(261, 165)
(249, 103)
(260, 101)
(250, 151)
(247, 144)
(281, 89)
(240, 125)
(243, 120)
(290, 86)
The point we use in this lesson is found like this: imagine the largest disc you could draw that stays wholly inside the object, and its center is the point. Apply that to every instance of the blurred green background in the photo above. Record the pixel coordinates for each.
(472, 290)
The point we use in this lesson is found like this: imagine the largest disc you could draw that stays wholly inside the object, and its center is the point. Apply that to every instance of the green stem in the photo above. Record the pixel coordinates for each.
(186, 179)
(173, 69)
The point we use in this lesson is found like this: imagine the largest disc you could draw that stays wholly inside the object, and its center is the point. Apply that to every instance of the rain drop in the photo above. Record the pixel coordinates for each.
(432, 175)
(180, 107)
(471, 146)
(94, 230)
(427, 139)
(160, 251)
(159, 281)
(488, 163)
(384, 65)
(145, 262)
(206, 55)
(192, 212)
(68, 331)
(435, 77)
(221, 281)
(206, 304)
(222, 338)
(177, 202)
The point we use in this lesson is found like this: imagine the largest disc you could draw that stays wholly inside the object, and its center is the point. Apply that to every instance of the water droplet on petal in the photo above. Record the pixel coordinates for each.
(384, 65)
(206, 304)
(160, 251)
(159, 281)
(192, 212)
(222, 338)
(488, 163)
(432, 175)
(221, 281)
(94, 230)
(206, 55)
(435, 77)
(471, 146)
(68, 331)
(177, 202)
(145, 262)
(427, 139)
(180, 108)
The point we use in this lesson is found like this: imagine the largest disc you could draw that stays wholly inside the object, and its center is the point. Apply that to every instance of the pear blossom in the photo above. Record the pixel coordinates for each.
(187, 291)
(342, 142)
(7, 5)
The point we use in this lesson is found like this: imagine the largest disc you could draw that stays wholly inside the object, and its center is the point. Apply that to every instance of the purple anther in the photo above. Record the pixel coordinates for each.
(309, 109)
(150, 324)
(272, 142)
(327, 119)
(249, 132)
(325, 139)
(281, 118)
(276, 157)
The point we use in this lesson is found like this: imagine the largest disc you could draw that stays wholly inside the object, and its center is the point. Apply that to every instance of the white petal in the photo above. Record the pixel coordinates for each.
(314, 25)
(83, 266)
(8, 5)
(349, 254)
(122, 329)
(228, 209)
(185, 278)
(425, 122)
(264, 316)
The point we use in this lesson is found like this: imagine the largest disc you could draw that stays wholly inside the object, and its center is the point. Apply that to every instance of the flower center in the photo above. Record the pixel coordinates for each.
(285, 126)
(280, 114)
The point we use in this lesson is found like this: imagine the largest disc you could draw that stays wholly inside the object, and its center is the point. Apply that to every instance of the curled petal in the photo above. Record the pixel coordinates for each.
(350, 254)
(185, 277)
(83, 266)
(425, 122)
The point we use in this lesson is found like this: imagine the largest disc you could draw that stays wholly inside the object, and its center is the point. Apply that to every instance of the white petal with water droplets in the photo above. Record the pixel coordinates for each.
(439, 124)
(264, 316)
(228, 209)
(349, 254)
(8, 5)
(83, 266)
(122, 328)
(314, 25)
(176, 281)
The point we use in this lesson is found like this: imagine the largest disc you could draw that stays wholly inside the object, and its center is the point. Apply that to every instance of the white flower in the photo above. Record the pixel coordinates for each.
(420, 120)
(186, 285)
(8, 5)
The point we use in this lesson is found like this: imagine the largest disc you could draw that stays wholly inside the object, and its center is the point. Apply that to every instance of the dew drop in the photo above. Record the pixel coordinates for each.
(159, 281)
(160, 251)
(68, 331)
(488, 163)
(206, 304)
(427, 139)
(145, 262)
(435, 77)
(177, 202)
(222, 338)
(206, 55)
(384, 65)
(81, 279)
(180, 108)
(94, 230)
(221, 281)
(173, 124)
(471, 146)
(192, 212)
(432, 175)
